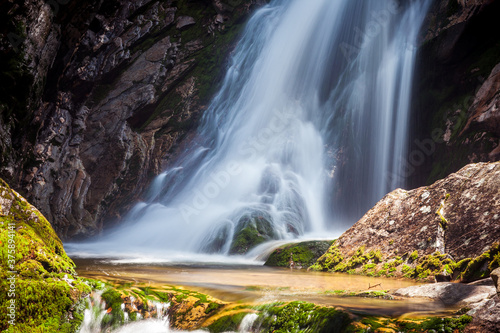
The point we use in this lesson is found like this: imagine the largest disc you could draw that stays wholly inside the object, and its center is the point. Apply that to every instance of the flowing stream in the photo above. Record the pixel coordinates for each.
(307, 132)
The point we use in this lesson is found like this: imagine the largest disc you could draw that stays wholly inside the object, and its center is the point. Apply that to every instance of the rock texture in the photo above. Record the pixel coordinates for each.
(450, 294)
(109, 90)
(486, 318)
(484, 114)
(426, 231)
(458, 215)
(495, 275)
(456, 91)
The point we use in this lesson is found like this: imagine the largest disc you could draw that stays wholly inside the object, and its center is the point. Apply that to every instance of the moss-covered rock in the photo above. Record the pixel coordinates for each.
(290, 317)
(251, 230)
(37, 276)
(302, 254)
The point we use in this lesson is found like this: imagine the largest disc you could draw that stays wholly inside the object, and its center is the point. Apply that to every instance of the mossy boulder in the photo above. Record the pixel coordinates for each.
(37, 276)
(291, 317)
(251, 230)
(303, 254)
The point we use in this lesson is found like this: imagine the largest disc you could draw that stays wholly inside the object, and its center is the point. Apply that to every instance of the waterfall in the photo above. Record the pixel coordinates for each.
(307, 131)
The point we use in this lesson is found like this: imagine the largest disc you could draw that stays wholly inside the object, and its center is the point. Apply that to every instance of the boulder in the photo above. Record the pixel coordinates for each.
(302, 254)
(486, 318)
(426, 231)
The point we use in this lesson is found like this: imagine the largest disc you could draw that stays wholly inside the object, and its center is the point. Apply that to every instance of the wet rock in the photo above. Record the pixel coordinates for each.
(251, 230)
(109, 96)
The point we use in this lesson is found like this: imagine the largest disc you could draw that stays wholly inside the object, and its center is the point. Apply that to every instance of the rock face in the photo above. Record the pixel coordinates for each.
(484, 114)
(456, 97)
(457, 217)
(109, 89)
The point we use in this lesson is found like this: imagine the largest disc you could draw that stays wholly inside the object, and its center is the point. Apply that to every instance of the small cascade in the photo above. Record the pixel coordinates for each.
(94, 317)
(247, 323)
(94, 314)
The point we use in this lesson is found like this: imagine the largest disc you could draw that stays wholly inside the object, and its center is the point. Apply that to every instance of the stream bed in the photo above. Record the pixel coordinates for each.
(258, 284)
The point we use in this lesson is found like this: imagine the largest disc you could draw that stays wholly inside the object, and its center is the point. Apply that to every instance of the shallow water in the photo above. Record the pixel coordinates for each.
(260, 284)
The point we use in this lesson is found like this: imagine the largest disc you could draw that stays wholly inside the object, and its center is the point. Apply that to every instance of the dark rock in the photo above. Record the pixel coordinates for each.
(184, 21)
(484, 114)
(107, 95)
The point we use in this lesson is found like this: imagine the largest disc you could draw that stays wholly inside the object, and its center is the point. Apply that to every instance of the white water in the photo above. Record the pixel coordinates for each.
(309, 125)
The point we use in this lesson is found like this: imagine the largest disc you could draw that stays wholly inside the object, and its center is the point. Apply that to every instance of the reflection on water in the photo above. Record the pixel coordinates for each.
(260, 284)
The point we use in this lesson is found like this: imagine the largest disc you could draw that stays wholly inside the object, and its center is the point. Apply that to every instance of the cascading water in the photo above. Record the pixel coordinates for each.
(310, 121)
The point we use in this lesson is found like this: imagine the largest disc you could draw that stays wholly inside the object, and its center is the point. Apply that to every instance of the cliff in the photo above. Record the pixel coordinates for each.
(456, 96)
(96, 96)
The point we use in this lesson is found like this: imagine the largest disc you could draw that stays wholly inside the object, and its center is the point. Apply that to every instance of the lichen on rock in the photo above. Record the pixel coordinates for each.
(407, 231)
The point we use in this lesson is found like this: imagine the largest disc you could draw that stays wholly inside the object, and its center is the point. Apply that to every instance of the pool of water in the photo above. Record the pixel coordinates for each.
(257, 284)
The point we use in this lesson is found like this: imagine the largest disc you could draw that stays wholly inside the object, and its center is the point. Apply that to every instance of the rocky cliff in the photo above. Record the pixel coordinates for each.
(456, 98)
(96, 95)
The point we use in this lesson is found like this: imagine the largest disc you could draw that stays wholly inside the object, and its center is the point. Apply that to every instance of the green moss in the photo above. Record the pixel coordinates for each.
(406, 325)
(414, 255)
(212, 306)
(480, 267)
(331, 259)
(301, 317)
(113, 301)
(47, 294)
(227, 323)
(251, 231)
(304, 254)
(433, 264)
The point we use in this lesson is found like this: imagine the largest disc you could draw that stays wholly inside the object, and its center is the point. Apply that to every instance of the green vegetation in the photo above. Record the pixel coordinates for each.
(251, 231)
(113, 300)
(480, 267)
(291, 317)
(48, 296)
(409, 265)
(367, 324)
(303, 254)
